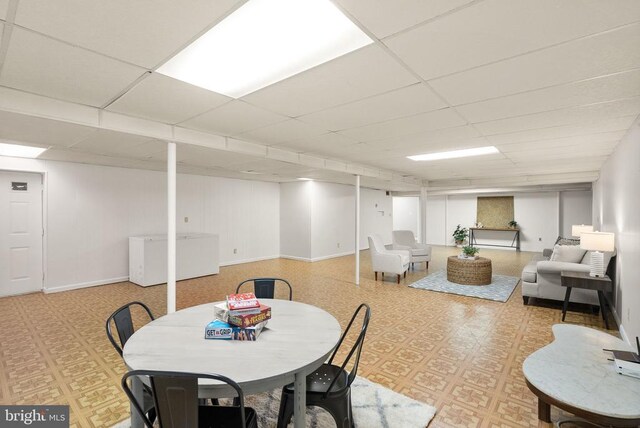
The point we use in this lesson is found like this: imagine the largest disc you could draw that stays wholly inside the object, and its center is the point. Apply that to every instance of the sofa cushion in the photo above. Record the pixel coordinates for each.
(567, 253)
(546, 267)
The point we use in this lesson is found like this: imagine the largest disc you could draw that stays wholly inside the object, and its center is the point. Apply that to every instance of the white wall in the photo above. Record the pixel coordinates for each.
(615, 209)
(295, 220)
(436, 220)
(460, 210)
(325, 212)
(575, 208)
(90, 211)
(537, 215)
(406, 214)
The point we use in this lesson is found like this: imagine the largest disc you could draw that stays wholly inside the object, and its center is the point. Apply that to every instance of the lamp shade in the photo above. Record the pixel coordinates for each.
(578, 229)
(597, 241)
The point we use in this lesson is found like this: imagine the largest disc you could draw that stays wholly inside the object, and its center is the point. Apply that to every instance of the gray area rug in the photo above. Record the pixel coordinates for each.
(373, 406)
(499, 290)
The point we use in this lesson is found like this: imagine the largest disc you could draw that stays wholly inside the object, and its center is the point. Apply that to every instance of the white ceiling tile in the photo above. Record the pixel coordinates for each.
(143, 32)
(606, 88)
(363, 73)
(233, 118)
(448, 136)
(29, 129)
(386, 17)
(316, 143)
(40, 65)
(493, 30)
(200, 156)
(167, 100)
(406, 101)
(282, 132)
(603, 139)
(568, 116)
(439, 119)
(579, 129)
(112, 143)
(4, 6)
(606, 53)
(66, 155)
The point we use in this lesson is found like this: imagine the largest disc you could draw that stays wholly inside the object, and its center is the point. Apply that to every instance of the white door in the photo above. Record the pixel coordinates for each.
(20, 233)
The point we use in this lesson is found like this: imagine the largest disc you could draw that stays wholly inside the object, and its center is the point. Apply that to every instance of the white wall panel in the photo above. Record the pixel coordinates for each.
(295, 219)
(460, 210)
(615, 209)
(436, 220)
(575, 208)
(406, 215)
(376, 215)
(538, 216)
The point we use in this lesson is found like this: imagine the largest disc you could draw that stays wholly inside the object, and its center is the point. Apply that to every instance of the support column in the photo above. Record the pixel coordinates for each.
(357, 246)
(423, 214)
(171, 227)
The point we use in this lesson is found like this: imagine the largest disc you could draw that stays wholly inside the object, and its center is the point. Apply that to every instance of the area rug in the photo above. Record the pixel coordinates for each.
(499, 290)
(373, 406)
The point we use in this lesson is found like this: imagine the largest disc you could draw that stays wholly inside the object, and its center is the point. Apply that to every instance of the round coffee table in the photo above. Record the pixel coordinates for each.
(469, 271)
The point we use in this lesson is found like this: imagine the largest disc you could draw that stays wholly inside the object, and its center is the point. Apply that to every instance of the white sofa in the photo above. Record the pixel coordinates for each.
(541, 279)
(390, 261)
(405, 240)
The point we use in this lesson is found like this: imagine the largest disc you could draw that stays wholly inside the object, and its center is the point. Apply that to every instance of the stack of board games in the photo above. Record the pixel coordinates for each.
(241, 317)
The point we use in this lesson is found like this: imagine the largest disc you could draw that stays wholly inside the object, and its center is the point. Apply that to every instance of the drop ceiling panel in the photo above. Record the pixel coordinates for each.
(282, 132)
(578, 129)
(363, 73)
(439, 119)
(168, 100)
(112, 143)
(449, 136)
(386, 17)
(493, 30)
(318, 143)
(604, 139)
(572, 115)
(4, 6)
(200, 156)
(233, 118)
(40, 65)
(65, 155)
(29, 129)
(607, 88)
(406, 101)
(581, 59)
(142, 32)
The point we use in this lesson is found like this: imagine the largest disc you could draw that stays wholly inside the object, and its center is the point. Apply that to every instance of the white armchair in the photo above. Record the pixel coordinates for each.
(391, 261)
(404, 240)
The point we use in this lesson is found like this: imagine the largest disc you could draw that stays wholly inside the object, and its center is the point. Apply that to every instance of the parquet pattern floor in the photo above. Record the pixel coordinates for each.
(460, 354)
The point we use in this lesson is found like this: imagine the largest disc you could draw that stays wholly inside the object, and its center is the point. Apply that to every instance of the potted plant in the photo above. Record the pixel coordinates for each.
(513, 224)
(469, 252)
(460, 234)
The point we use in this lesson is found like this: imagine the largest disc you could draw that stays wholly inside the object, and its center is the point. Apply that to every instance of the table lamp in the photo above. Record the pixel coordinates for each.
(579, 229)
(597, 242)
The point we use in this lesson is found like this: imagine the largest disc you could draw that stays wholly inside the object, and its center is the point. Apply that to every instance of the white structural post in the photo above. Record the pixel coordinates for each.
(357, 246)
(171, 227)
(423, 214)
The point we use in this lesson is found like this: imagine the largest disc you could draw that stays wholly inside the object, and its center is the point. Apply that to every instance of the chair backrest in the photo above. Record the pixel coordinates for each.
(265, 288)
(124, 324)
(357, 346)
(404, 237)
(376, 244)
(176, 397)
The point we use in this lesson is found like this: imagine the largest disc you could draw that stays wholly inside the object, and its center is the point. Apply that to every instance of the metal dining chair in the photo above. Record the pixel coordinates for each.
(123, 323)
(264, 288)
(176, 401)
(329, 386)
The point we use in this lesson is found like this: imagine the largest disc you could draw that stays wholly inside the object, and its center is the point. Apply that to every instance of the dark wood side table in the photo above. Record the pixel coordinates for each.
(583, 280)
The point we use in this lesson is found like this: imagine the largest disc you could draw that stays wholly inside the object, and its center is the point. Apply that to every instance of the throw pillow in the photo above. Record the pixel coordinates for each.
(567, 253)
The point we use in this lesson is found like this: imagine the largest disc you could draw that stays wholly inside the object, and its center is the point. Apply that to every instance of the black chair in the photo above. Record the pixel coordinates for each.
(123, 322)
(176, 401)
(265, 288)
(329, 387)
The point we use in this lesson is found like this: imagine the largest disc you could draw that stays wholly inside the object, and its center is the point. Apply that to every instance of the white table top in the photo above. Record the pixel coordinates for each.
(298, 338)
(574, 369)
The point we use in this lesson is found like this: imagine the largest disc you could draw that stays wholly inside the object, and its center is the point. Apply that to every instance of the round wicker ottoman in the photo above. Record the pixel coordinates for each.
(469, 271)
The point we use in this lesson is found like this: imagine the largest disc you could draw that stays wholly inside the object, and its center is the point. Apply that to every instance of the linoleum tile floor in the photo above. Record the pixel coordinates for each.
(460, 354)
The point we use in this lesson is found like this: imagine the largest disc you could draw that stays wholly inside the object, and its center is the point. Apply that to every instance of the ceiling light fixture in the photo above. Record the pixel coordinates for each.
(455, 154)
(264, 42)
(20, 151)
(305, 179)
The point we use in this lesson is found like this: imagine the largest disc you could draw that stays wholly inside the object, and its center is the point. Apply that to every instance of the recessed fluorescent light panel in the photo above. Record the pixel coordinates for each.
(19, 151)
(305, 179)
(264, 42)
(455, 154)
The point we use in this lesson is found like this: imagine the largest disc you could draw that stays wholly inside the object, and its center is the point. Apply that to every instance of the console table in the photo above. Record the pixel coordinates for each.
(574, 374)
(515, 242)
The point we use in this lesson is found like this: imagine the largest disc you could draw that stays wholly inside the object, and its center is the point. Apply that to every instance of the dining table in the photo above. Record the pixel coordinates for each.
(296, 340)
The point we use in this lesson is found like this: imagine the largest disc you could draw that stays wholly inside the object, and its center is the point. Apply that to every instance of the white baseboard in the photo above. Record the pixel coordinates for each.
(300, 259)
(624, 336)
(85, 284)
(255, 259)
(316, 259)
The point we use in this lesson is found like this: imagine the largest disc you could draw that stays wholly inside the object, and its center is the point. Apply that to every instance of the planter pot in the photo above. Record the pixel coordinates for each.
(465, 257)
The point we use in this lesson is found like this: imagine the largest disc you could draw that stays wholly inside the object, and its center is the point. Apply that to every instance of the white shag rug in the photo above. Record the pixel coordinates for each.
(373, 406)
